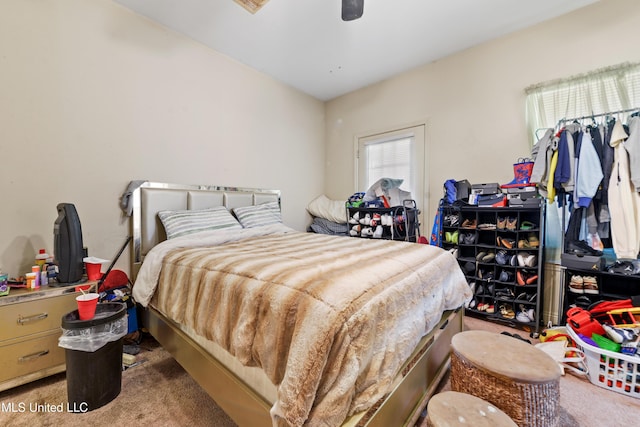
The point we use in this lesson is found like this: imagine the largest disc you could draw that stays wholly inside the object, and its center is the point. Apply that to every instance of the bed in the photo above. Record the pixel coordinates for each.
(282, 327)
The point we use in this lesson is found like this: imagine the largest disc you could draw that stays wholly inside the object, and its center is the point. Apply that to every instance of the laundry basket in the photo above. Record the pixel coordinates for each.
(607, 369)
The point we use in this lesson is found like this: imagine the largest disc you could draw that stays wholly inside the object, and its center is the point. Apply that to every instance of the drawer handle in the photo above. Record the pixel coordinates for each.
(23, 320)
(32, 356)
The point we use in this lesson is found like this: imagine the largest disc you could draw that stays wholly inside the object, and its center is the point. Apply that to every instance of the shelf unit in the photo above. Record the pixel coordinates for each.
(498, 238)
(610, 286)
(396, 223)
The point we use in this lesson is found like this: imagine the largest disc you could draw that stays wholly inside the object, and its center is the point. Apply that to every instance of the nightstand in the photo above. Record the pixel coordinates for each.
(29, 331)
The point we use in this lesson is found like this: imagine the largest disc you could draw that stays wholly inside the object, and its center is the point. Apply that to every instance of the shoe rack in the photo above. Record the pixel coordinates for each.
(395, 223)
(585, 287)
(500, 251)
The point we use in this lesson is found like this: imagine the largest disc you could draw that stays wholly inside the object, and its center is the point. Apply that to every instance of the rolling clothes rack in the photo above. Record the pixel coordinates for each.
(561, 122)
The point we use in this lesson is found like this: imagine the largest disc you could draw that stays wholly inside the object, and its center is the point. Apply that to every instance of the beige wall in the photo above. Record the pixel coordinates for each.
(93, 96)
(473, 102)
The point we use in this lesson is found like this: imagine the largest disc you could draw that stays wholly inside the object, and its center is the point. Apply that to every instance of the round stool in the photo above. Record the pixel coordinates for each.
(516, 377)
(450, 408)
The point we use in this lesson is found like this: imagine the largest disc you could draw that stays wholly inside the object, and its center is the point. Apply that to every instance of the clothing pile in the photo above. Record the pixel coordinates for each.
(596, 169)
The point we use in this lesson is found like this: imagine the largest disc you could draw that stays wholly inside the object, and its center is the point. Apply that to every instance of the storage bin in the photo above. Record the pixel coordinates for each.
(614, 371)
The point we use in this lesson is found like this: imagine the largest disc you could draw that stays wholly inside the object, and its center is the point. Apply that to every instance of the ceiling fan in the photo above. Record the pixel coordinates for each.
(351, 9)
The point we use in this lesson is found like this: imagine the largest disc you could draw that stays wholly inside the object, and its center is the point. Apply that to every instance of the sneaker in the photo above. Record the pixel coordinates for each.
(521, 316)
(590, 285)
(501, 257)
(576, 285)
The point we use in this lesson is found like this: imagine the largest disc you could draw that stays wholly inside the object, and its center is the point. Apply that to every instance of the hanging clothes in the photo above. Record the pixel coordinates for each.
(542, 152)
(632, 145)
(624, 200)
(589, 172)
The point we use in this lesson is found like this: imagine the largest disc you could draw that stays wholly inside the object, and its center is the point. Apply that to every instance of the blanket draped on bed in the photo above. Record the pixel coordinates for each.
(331, 320)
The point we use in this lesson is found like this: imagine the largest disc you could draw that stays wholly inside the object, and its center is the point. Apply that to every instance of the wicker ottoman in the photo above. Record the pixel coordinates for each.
(450, 408)
(521, 380)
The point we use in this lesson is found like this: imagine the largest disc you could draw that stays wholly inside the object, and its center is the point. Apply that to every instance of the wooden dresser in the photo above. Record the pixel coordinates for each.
(30, 327)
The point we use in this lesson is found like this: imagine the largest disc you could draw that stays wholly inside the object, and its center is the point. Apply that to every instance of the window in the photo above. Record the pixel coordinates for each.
(609, 89)
(395, 154)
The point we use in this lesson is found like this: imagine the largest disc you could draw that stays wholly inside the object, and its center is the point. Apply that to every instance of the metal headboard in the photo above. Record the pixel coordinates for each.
(152, 197)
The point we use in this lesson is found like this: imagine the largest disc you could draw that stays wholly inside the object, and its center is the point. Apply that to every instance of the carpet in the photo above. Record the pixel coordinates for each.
(159, 392)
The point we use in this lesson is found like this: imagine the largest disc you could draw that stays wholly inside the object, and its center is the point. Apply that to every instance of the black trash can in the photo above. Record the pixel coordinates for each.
(93, 354)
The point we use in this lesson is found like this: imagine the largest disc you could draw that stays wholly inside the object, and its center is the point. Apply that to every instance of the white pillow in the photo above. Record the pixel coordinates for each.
(255, 216)
(181, 223)
(333, 210)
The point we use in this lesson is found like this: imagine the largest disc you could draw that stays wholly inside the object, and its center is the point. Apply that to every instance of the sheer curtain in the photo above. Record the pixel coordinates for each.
(597, 92)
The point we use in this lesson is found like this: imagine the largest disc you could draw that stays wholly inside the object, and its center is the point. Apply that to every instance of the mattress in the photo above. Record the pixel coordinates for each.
(328, 320)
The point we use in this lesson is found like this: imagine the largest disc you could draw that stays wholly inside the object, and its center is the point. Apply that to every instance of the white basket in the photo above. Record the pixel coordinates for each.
(607, 369)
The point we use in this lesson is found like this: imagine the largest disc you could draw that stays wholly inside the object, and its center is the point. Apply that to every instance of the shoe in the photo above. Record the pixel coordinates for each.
(366, 232)
(516, 336)
(525, 259)
(467, 238)
(489, 257)
(507, 243)
(522, 317)
(454, 237)
(530, 280)
(376, 220)
(480, 255)
(501, 257)
(482, 306)
(355, 218)
(377, 234)
(533, 241)
(505, 276)
(527, 225)
(447, 237)
(505, 293)
(523, 244)
(502, 223)
(507, 312)
(513, 261)
(531, 260)
(366, 220)
(590, 285)
(490, 309)
(512, 224)
(487, 226)
(469, 223)
(469, 267)
(583, 302)
(579, 247)
(531, 313)
(520, 278)
(576, 284)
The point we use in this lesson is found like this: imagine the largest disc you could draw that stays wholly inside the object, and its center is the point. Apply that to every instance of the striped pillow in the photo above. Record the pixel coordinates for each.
(181, 223)
(255, 216)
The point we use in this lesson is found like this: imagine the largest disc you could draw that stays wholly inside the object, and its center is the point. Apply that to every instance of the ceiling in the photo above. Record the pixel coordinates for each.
(305, 44)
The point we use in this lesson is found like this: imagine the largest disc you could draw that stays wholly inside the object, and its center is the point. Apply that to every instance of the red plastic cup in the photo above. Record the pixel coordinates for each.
(93, 270)
(87, 305)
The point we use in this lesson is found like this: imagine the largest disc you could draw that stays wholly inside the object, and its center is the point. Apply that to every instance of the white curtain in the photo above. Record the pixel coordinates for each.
(598, 92)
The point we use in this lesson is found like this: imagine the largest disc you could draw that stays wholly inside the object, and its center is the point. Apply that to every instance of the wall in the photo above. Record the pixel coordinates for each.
(473, 102)
(93, 96)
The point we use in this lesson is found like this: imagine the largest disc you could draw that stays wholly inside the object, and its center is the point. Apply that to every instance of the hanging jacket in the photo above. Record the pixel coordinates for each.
(624, 201)
(632, 145)
(542, 152)
(589, 172)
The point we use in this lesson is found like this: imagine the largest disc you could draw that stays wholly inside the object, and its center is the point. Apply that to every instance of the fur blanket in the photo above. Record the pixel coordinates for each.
(331, 320)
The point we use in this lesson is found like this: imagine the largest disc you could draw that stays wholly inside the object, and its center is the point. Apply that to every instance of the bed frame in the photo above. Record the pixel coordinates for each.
(403, 406)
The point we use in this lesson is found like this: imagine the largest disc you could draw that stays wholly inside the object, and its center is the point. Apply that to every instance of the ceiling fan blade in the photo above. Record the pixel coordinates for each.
(352, 9)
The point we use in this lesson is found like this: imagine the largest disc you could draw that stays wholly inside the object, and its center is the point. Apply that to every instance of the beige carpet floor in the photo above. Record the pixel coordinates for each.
(160, 392)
